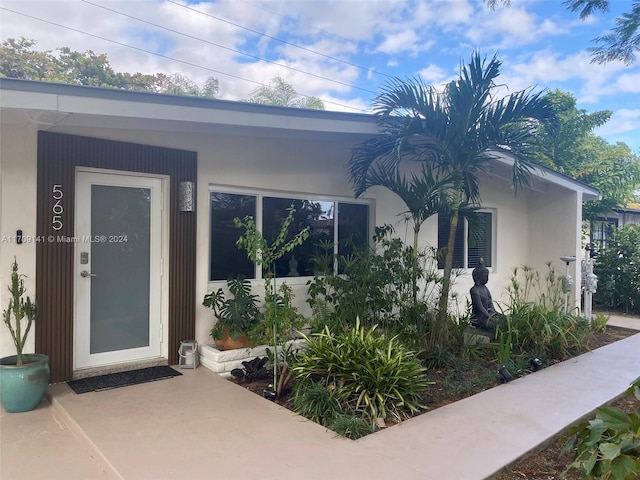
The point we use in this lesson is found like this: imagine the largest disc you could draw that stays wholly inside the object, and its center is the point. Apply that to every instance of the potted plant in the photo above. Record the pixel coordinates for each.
(236, 315)
(24, 378)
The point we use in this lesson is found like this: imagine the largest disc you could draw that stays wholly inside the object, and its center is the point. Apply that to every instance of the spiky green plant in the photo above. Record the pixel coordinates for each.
(366, 371)
(19, 308)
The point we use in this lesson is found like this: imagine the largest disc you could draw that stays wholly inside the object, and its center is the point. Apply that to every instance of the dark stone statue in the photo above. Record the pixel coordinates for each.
(483, 313)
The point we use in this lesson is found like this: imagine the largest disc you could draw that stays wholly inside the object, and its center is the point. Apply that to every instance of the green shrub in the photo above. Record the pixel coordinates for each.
(608, 446)
(314, 401)
(540, 327)
(352, 426)
(618, 271)
(388, 285)
(365, 372)
(280, 309)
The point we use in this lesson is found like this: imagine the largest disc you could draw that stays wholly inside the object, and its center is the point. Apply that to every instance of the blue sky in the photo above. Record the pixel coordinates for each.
(343, 51)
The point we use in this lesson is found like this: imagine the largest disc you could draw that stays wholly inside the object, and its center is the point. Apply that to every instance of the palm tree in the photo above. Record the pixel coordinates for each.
(424, 194)
(455, 131)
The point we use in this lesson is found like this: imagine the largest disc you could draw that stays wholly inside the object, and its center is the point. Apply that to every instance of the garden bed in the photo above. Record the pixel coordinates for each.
(451, 385)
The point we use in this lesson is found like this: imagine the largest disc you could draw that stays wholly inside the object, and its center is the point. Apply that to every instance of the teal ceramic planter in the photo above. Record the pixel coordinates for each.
(22, 388)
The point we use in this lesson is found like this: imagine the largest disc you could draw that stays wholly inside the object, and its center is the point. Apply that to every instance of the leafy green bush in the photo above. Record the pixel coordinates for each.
(608, 447)
(618, 271)
(378, 285)
(279, 309)
(364, 371)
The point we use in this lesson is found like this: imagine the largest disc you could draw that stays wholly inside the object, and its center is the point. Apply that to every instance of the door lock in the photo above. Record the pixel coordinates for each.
(86, 274)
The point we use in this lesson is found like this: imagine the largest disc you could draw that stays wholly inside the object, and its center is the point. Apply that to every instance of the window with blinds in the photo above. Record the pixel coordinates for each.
(473, 239)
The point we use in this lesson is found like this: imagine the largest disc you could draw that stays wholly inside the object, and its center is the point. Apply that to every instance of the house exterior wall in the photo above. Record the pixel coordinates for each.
(529, 228)
(18, 194)
(556, 219)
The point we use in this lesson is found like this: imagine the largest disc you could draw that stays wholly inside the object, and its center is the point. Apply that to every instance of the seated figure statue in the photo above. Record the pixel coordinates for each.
(483, 313)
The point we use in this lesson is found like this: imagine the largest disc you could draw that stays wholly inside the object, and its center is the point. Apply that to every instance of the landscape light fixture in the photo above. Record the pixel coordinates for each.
(505, 374)
(269, 393)
(536, 364)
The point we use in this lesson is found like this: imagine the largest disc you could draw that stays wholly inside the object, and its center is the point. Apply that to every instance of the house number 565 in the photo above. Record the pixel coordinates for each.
(57, 207)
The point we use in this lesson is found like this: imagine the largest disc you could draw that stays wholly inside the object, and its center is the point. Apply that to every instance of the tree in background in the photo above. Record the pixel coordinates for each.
(283, 94)
(570, 147)
(455, 131)
(621, 43)
(618, 270)
(19, 59)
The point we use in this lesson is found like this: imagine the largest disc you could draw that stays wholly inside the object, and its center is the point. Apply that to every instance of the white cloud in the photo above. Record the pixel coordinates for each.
(629, 83)
(622, 121)
(404, 41)
(435, 75)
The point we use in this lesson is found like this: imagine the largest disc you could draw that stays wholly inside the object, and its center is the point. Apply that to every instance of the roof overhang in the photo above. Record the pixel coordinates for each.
(61, 108)
(542, 175)
(54, 106)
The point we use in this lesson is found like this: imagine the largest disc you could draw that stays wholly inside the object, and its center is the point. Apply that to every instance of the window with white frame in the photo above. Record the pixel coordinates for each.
(474, 239)
(345, 224)
(601, 230)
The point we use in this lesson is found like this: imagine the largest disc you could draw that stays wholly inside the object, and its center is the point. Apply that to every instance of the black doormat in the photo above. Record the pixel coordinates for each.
(122, 379)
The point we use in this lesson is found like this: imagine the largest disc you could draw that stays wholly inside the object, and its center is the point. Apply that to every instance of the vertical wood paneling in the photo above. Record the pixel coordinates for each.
(58, 157)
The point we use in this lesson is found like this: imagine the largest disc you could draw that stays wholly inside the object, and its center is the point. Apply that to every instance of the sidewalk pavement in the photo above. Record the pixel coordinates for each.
(200, 424)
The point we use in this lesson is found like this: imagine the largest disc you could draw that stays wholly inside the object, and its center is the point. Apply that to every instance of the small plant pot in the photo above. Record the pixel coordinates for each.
(228, 343)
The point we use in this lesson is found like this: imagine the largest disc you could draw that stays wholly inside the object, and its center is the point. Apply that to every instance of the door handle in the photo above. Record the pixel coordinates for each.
(86, 274)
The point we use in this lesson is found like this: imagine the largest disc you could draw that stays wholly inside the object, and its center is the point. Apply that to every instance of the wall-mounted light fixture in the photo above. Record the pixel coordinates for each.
(186, 194)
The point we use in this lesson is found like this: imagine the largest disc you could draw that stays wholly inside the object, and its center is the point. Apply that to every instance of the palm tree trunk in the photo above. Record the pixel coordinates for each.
(414, 267)
(440, 330)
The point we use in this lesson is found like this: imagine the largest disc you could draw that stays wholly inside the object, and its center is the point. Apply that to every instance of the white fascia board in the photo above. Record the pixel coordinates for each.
(588, 193)
(28, 100)
(144, 111)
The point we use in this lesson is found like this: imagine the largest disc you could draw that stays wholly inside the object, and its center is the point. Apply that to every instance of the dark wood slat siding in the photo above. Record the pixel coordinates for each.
(58, 157)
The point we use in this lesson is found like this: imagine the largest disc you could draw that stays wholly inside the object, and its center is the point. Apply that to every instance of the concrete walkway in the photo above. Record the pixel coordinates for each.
(199, 425)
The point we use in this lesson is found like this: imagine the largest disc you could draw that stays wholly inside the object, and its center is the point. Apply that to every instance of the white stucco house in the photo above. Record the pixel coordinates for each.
(117, 206)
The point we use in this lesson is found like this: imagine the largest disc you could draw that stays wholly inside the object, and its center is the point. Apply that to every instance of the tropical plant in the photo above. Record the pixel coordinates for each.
(278, 307)
(618, 271)
(365, 371)
(456, 130)
(264, 253)
(376, 284)
(540, 327)
(251, 369)
(314, 401)
(283, 94)
(608, 446)
(19, 307)
(236, 314)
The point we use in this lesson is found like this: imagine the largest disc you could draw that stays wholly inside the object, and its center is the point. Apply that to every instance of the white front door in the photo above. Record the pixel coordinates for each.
(118, 268)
